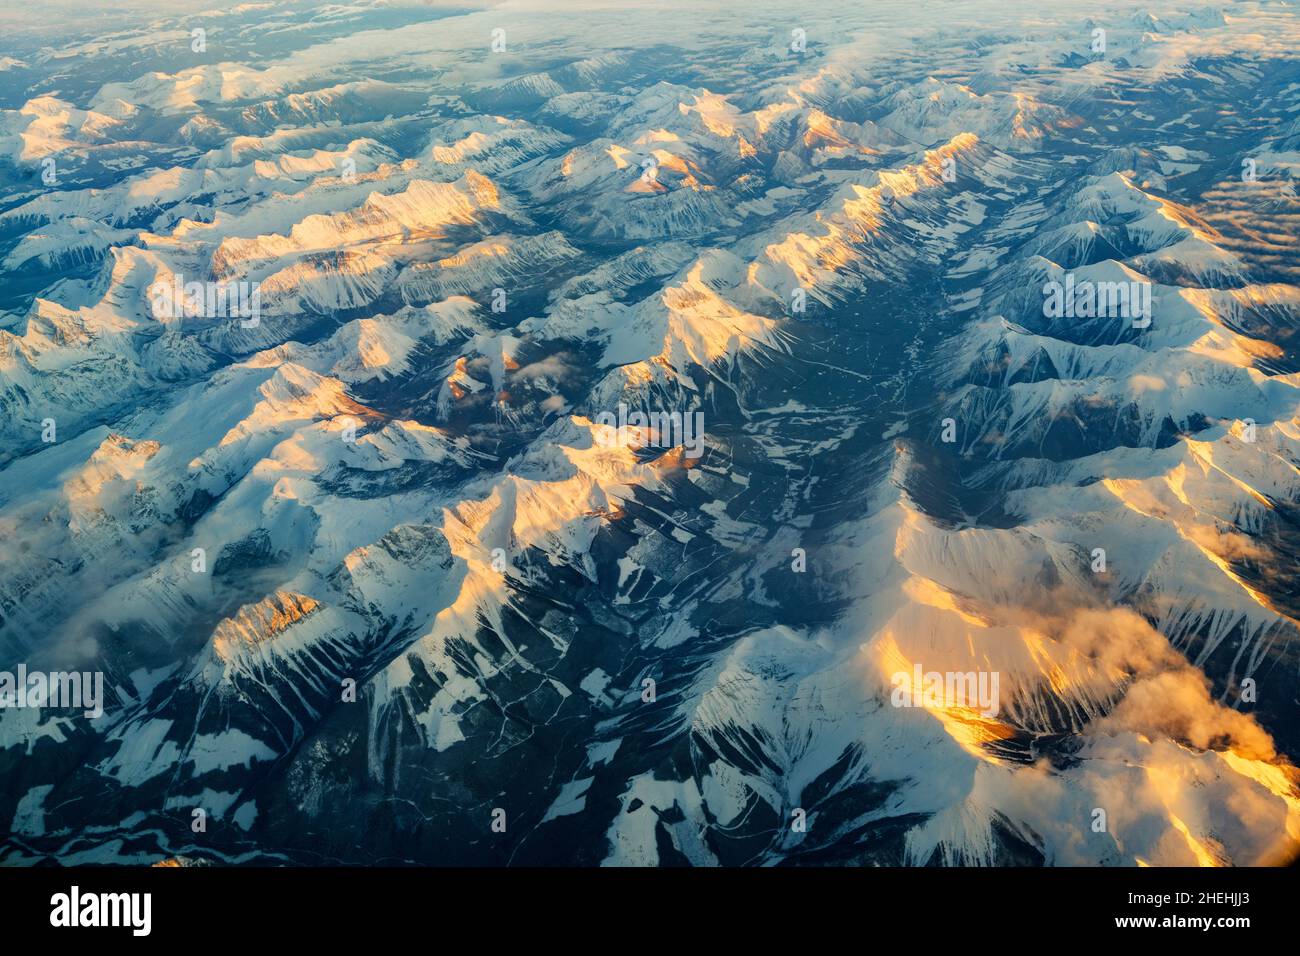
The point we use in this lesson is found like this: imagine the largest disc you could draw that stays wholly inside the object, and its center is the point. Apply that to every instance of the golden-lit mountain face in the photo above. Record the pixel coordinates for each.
(866, 435)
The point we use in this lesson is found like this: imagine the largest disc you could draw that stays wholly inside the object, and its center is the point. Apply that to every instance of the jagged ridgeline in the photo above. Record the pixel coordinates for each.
(862, 435)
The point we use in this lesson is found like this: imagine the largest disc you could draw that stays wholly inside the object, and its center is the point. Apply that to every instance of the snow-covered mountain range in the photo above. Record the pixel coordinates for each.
(371, 577)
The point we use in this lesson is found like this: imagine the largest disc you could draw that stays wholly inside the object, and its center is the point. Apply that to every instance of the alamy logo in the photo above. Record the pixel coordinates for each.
(179, 299)
(1087, 300)
(976, 690)
(133, 910)
(639, 429)
(56, 689)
